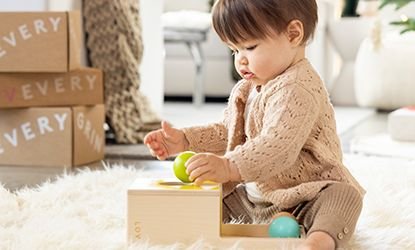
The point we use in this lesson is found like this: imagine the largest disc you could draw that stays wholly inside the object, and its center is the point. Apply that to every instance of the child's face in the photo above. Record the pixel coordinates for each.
(263, 60)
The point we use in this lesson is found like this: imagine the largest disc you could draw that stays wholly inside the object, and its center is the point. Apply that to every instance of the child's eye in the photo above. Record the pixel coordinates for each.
(234, 52)
(252, 47)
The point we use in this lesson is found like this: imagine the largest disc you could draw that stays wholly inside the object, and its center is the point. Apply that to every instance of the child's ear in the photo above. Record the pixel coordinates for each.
(295, 32)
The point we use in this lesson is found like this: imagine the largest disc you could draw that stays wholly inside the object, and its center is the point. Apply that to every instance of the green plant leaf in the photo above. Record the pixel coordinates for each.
(405, 30)
(409, 25)
(398, 3)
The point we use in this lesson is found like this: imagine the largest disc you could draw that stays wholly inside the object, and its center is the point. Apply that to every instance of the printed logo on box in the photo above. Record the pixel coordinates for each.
(94, 139)
(34, 90)
(28, 131)
(27, 31)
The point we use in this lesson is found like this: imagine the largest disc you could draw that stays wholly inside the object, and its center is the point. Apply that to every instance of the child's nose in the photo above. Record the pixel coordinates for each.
(243, 60)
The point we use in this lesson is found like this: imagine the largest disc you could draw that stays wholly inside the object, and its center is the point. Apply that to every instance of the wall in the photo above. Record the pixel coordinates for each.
(152, 70)
(19, 5)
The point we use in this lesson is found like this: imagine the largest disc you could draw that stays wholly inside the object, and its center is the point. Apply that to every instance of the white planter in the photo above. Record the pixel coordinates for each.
(346, 34)
(385, 77)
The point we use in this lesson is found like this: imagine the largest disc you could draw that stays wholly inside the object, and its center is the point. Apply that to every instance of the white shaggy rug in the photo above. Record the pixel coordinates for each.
(88, 210)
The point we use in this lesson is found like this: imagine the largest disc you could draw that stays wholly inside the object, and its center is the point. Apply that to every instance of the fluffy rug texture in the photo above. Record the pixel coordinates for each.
(88, 210)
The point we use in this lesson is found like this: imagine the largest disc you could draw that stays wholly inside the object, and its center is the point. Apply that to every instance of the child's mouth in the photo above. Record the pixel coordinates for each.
(247, 75)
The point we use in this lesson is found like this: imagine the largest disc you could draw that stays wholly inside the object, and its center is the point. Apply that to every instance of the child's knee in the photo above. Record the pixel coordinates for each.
(336, 212)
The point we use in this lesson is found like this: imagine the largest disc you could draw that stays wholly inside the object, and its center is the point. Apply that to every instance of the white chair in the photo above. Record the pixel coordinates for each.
(190, 28)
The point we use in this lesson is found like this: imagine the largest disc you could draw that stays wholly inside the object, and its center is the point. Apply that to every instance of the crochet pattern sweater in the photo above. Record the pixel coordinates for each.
(291, 148)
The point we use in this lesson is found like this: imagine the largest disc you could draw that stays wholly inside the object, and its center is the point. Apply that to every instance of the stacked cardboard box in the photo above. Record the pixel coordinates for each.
(51, 109)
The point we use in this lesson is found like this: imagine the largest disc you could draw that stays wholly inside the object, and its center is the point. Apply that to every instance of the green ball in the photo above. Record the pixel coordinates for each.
(179, 168)
(284, 227)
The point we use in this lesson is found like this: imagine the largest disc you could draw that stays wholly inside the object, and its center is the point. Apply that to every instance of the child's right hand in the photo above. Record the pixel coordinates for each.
(166, 141)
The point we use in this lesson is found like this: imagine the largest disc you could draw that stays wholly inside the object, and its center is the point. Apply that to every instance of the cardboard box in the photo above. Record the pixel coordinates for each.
(64, 136)
(40, 41)
(79, 87)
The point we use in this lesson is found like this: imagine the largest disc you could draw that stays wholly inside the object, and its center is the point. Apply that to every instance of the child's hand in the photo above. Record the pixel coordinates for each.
(210, 167)
(166, 141)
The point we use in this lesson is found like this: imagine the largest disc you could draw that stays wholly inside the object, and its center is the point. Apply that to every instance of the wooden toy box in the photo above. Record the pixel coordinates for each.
(167, 212)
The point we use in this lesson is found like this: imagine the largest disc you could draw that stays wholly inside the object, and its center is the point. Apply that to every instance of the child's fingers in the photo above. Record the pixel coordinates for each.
(160, 154)
(194, 162)
(153, 153)
(167, 129)
(162, 157)
(198, 173)
(147, 139)
(155, 148)
(152, 136)
(200, 180)
(165, 124)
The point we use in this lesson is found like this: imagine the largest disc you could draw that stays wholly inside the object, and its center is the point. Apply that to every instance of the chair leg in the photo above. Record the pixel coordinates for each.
(197, 54)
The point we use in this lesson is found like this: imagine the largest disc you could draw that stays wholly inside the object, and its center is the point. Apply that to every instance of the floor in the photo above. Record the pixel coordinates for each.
(351, 122)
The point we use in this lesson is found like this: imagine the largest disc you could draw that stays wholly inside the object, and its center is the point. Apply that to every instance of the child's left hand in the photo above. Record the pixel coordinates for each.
(210, 167)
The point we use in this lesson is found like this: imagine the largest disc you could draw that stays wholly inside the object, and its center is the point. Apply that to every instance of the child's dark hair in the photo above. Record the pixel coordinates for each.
(239, 20)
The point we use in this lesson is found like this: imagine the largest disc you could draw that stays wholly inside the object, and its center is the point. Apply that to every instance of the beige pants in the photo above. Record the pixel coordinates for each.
(334, 210)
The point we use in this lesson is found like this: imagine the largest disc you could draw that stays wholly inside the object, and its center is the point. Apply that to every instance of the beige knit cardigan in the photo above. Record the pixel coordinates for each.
(291, 148)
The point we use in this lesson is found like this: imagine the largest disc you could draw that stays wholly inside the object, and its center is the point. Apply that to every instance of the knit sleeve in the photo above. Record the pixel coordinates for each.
(213, 138)
(289, 116)
(210, 138)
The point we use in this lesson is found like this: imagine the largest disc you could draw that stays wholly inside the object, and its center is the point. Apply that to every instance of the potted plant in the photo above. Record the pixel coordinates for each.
(345, 33)
(385, 62)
